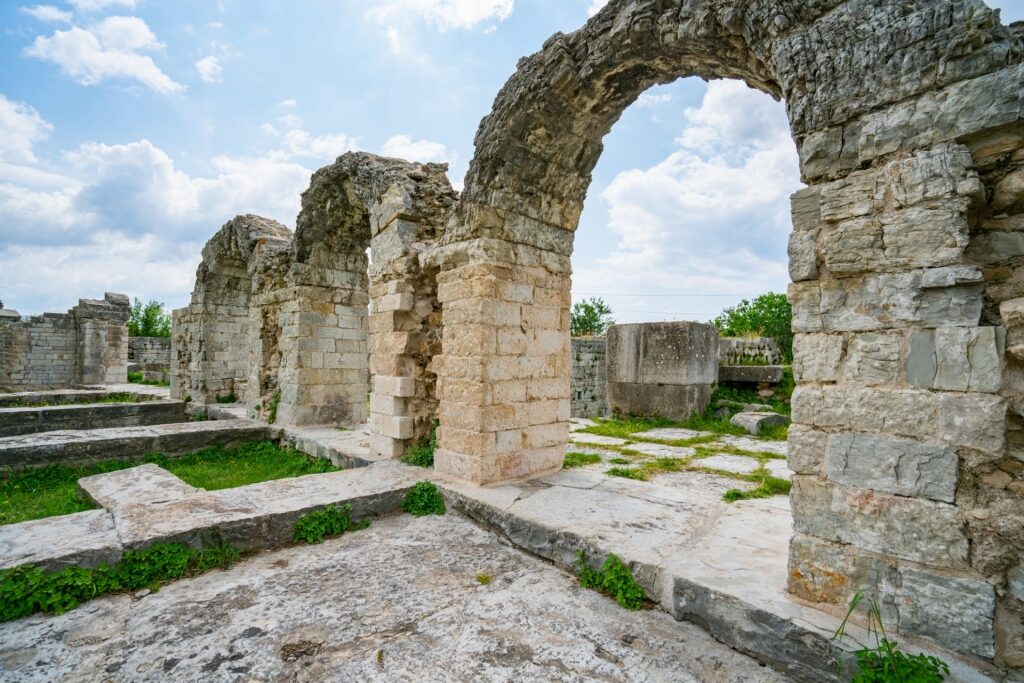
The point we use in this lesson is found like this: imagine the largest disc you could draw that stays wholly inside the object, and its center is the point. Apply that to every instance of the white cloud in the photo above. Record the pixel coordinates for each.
(647, 99)
(444, 15)
(107, 50)
(288, 104)
(21, 127)
(86, 6)
(595, 7)
(48, 13)
(712, 217)
(209, 69)
(403, 147)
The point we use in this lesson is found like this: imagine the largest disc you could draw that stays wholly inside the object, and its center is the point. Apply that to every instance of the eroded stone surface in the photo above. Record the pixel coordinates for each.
(84, 538)
(136, 485)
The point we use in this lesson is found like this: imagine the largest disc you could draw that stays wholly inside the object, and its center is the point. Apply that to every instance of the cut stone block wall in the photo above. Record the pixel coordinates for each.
(661, 369)
(86, 345)
(149, 350)
(759, 350)
(589, 377)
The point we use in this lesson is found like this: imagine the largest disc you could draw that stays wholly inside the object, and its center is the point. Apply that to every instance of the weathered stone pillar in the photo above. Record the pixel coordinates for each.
(103, 339)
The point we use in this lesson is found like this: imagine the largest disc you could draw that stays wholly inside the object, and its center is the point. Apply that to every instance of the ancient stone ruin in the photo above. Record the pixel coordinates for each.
(907, 288)
(86, 345)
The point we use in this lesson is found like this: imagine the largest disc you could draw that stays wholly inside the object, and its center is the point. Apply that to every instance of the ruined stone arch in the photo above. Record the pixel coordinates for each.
(210, 351)
(907, 118)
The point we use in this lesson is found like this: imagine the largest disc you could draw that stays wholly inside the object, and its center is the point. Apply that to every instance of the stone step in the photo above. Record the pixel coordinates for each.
(751, 374)
(126, 443)
(250, 517)
(68, 396)
(136, 485)
(19, 421)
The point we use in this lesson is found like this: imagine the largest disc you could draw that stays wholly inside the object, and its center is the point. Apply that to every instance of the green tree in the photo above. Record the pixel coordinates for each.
(769, 315)
(149, 320)
(590, 318)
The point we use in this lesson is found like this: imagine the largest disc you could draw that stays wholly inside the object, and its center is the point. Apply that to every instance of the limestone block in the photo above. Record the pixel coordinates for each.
(806, 450)
(394, 386)
(894, 465)
(910, 528)
(924, 604)
(1012, 313)
(751, 374)
(817, 357)
(675, 402)
(394, 302)
(873, 359)
(803, 255)
(757, 422)
(1009, 192)
(956, 359)
(663, 353)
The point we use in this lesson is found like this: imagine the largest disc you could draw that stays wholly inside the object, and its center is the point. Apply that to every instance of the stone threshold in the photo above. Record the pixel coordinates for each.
(163, 509)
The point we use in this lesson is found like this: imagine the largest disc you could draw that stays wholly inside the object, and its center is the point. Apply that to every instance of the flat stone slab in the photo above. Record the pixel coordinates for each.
(32, 420)
(136, 485)
(261, 515)
(747, 443)
(343, 447)
(125, 443)
(661, 451)
(358, 608)
(85, 539)
(597, 439)
(57, 397)
(778, 468)
(578, 423)
(673, 434)
(751, 374)
(737, 464)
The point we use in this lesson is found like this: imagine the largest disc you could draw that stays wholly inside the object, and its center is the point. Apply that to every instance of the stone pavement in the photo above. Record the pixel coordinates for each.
(397, 602)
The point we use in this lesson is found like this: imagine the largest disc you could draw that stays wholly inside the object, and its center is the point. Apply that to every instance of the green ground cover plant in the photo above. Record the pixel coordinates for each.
(136, 378)
(614, 579)
(767, 486)
(577, 459)
(422, 454)
(424, 499)
(330, 520)
(25, 590)
(885, 662)
(53, 490)
(275, 401)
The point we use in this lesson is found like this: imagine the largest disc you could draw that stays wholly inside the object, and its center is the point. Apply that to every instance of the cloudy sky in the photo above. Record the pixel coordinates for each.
(131, 130)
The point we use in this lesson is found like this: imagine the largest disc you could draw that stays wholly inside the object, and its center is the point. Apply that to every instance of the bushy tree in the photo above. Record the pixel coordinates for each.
(149, 320)
(768, 315)
(590, 318)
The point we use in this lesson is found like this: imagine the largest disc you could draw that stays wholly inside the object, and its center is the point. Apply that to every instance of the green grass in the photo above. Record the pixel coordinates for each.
(613, 578)
(52, 490)
(768, 486)
(424, 499)
(422, 454)
(136, 378)
(120, 397)
(577, 459)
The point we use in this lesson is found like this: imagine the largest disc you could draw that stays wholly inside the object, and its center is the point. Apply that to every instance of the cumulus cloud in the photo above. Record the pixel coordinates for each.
(86, 6)
(648, 100)
(48, 13)
(209, 69)
(110, 49)
(403, 147)
(445, 15)
(21, 127)
(712, 217)
(595, 7)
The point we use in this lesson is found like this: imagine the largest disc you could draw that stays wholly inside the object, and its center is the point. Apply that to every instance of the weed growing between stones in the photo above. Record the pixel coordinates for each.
(614, 579)
(618, 461)
(25, 590)
(627, 473)
(885, 662)
(330, 520)
(648, 468)
(275, 400)
(768, 486)
(577, 459)
(483, 579)
(136, 378)
(424, 499)
(227, 398)
(422, 454)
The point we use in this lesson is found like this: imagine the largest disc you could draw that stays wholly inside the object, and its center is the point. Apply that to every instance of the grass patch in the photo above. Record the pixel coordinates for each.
(330, 520)
(614, 579)
(53, 490)
(424, 499)
(422, 454)
(227, 398)
(768, 486)
(626, 427)
(275, 400)
(619, 461)
(136, 378)
(648, 468)
(483, 579)
(627, 473)
(577, 459)
(26, 589)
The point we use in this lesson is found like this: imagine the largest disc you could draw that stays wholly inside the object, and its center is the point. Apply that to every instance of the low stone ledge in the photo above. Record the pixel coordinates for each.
(20, 421)
(67, 397)
(84, 539)
(751, 374)
(143, 484)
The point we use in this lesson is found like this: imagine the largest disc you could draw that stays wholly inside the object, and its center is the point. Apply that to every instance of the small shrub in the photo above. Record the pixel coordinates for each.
(590, 318)
(424, 499)
(275, 399)
(422, 454)
(613, 579)
(227, 398)
(330, 520)
(483, 579)
(768, 315)
(576, 459)
(885, 662)
(134, 377)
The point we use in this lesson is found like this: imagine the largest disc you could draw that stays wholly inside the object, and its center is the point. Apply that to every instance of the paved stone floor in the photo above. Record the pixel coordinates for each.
(397, 602)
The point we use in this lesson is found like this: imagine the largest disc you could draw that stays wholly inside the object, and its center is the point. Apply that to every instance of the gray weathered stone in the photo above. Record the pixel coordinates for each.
(757, 422)
(136, 485)
(751, 374)
(900, 466)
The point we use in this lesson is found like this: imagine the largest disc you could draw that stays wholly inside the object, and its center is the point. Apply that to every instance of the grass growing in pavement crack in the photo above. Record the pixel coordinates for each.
(768, 486)
(53, 490)
(614, 579)
(577, 459)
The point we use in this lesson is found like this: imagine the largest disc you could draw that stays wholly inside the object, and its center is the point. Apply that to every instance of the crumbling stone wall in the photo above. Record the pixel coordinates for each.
(86, 345)
(753, 351)
(149, 350)
(900, 419)
(589, 377)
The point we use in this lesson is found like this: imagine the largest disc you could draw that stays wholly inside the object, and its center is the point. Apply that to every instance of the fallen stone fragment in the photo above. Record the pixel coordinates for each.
(757, 422)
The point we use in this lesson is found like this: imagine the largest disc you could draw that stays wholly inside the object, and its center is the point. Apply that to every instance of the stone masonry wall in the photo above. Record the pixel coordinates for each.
(740, 351)
(149, 350)
(589, 377)
(86, 345)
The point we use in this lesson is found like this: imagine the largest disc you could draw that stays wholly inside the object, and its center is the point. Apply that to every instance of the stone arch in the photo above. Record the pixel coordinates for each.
(889, 104)
(210, 348)
(393, 210)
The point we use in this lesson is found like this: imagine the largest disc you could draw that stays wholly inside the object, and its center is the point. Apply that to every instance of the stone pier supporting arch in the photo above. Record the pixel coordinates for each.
(900, 439)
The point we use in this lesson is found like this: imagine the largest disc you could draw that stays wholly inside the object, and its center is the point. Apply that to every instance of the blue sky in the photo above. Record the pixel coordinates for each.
(131, 130)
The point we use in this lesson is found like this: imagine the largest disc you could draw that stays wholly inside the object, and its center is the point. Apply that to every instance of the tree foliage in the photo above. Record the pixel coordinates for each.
(768, 315)
(590, 318)
(149, 320)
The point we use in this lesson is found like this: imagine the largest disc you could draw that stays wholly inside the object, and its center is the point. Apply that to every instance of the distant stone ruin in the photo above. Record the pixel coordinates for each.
(86, 345)
(906, 258)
